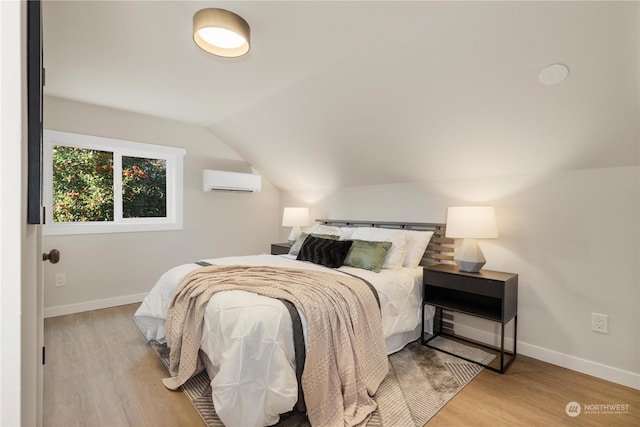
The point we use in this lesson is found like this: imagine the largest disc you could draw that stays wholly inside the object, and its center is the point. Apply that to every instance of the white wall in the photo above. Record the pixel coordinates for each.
(109, 269)
(571, 236)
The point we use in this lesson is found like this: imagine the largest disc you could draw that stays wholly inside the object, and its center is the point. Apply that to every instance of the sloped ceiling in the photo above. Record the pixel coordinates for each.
(336, 94)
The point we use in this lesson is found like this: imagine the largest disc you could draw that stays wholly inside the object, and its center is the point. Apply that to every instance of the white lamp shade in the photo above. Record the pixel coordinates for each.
(295, 217)
(475, 222)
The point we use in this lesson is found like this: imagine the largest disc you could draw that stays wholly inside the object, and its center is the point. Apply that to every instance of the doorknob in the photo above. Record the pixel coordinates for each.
(53, 256)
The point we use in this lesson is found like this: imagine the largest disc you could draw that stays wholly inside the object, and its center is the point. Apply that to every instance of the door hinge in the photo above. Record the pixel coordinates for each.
(43, 354)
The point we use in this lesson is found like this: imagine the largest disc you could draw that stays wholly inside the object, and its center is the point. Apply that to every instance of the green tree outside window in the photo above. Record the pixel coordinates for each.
(144, 187)
(83, 186)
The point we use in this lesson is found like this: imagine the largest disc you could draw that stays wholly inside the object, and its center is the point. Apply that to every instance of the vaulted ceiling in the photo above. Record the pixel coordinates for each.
(336, 94)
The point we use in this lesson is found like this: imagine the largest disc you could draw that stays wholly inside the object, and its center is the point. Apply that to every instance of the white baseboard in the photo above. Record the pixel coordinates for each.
(61, 310)
(595, 369)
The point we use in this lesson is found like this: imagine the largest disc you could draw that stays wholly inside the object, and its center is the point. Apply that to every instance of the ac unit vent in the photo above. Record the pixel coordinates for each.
(213, 180)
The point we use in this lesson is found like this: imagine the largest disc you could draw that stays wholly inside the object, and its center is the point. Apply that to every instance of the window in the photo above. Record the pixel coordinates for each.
(101, 185)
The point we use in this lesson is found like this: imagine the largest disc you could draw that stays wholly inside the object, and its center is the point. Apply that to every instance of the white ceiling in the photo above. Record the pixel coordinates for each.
(336, 94)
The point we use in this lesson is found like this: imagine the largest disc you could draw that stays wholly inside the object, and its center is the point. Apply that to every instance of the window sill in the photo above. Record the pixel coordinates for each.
(100, 228)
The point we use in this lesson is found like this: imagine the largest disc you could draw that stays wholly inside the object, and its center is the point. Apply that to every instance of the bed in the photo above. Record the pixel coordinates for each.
(247, 344)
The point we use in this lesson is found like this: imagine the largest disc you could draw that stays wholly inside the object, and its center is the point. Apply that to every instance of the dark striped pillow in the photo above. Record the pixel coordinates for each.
(330, 253)
(295, 248)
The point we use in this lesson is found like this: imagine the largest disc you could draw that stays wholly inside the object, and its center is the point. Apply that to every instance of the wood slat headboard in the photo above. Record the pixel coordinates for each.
(440, 248)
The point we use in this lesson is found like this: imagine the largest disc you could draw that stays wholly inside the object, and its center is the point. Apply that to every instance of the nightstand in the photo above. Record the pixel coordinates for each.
(280, 248)
(491, 295)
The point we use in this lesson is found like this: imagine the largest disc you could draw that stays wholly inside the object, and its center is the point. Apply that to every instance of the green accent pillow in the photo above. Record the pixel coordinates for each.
(367, 255)
(295, 248)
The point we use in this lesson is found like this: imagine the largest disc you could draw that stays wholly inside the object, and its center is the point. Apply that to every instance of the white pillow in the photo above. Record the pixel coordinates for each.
(395, 256)
(346, 232)
(323, 229)
(417, 242)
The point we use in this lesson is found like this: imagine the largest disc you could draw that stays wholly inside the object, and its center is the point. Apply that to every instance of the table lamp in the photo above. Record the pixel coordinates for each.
(296, 218)
(470, 223)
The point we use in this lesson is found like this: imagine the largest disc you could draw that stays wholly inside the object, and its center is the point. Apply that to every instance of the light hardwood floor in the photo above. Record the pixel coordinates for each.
(101, 372)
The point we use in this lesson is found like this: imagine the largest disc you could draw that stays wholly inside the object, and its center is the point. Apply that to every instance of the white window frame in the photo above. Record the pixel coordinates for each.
(174, 158)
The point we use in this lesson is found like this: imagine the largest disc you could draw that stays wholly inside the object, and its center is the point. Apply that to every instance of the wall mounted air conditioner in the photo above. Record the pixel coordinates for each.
(231, 181)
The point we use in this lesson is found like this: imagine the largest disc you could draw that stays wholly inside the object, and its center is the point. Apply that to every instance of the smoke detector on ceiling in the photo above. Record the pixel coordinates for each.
(553, 74)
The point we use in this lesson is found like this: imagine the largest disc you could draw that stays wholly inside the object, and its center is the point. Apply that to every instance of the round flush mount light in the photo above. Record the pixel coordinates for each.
(553, 74)
(221, 33)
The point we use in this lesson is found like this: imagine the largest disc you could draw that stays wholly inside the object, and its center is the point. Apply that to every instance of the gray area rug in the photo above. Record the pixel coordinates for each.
(420, 382)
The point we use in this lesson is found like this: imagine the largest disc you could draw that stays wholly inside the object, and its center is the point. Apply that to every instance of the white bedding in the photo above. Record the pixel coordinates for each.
(247, 337)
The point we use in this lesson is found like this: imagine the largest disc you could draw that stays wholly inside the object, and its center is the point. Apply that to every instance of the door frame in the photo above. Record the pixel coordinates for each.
(20, 288)
(11, 224)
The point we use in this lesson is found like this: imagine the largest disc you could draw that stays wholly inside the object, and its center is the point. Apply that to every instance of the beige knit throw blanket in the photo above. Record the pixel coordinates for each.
(346, 356)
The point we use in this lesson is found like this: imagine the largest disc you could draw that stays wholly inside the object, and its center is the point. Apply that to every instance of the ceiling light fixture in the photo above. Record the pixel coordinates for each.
(221, 32)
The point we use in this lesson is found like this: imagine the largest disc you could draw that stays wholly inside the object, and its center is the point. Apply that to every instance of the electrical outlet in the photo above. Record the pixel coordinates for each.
(600, 323)
(61, 280)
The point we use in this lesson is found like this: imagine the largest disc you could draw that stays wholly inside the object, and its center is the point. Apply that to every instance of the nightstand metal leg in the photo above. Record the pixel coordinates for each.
(422, 332)
(515, 335)
(437, 325)
(501, 348)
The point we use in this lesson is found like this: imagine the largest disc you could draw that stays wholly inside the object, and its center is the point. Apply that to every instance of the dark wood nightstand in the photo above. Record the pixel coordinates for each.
(280, 248)
(491, 295)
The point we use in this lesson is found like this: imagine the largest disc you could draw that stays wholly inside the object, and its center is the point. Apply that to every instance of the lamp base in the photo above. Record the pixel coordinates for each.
(469, 257)
(469, 267)
(295, 234)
